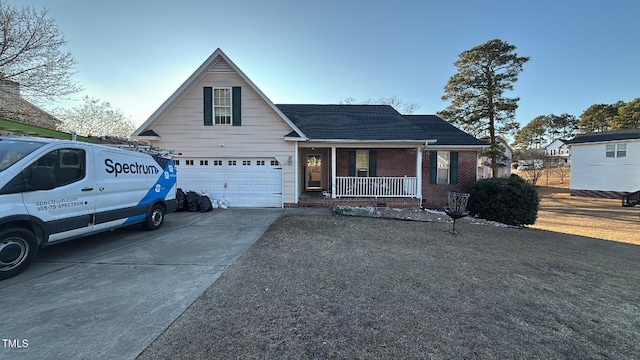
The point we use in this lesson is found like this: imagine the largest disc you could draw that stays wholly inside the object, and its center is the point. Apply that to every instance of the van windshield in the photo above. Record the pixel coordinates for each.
(12, 150)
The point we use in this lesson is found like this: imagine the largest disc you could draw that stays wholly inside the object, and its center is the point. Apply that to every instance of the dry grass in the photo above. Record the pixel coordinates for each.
(341, 287)
(598, 218)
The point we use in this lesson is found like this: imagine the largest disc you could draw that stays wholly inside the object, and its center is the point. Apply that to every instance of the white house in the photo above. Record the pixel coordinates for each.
(605, 164)
(234, 143)
(504, 164)
(559, 151)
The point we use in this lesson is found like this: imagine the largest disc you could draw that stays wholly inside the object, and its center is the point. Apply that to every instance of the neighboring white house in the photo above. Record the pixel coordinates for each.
(504, 164)
(605, 164)
(559, 151)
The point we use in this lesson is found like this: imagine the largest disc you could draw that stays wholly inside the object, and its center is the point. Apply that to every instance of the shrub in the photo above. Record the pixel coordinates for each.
(510, 201)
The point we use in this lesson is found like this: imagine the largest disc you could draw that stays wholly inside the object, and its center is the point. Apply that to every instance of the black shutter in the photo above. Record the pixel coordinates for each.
(373, 167)
(208, 105)
(433, 167)
(453, 167)
(236, 96)
(352, 163)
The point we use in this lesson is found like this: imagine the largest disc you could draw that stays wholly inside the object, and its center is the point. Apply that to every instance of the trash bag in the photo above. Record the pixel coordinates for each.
(181, 199)
(192, 201)
(204, 204)
(223, 204)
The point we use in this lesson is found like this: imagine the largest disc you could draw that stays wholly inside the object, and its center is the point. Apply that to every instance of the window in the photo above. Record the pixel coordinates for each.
(204, 162)
(622, 150)
(177, 162)
(188, 162)
(222, 106)
(274, 162)
(231, 163)
(260, 162)
(443, 167)
(68, 165)
(217, 162)
(611, 151)
(246, 162)
(616, 150)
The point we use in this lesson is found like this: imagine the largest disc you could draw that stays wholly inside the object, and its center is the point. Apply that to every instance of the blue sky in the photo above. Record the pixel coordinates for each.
(135, 54)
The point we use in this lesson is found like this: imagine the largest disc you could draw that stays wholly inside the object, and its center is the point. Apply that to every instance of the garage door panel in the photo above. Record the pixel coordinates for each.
(246, 185)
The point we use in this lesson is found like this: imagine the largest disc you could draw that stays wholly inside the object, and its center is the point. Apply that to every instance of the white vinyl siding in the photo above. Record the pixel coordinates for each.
(590, 170)
(261, 134)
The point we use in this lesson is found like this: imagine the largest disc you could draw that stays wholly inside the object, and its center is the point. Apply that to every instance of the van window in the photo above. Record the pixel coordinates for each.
(12, 150)
(69, 165)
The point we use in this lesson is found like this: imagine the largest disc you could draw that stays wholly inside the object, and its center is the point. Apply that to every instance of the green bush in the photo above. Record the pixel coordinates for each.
(510, 201)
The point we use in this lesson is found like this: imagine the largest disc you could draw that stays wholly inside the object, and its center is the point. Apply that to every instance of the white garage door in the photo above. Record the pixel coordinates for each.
(242, 182)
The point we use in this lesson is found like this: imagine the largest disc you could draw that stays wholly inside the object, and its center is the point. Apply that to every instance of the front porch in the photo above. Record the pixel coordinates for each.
(363, 176)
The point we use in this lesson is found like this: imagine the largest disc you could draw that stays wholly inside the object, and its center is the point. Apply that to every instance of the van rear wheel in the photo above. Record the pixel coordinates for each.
(155, 219)
(18, 247)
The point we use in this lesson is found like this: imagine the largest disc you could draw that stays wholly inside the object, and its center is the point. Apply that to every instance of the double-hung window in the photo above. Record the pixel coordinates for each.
(222, 106)
(616, 150)
(443, 167)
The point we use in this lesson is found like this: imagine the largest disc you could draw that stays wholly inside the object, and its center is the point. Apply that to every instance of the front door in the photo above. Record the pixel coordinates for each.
(313, 176)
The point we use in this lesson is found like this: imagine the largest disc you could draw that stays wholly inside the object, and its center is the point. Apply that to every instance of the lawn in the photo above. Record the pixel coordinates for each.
(593, 217)
(337, 287)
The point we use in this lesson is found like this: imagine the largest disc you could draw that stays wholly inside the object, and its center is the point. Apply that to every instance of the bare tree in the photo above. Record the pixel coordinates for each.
(401, 106)
(562, 170)
(533, 164)
(32, 55)
(97, 118)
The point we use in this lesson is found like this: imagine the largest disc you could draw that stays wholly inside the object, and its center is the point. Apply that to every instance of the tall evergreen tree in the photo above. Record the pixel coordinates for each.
(476, 92)
(628, 116)
(598, 117)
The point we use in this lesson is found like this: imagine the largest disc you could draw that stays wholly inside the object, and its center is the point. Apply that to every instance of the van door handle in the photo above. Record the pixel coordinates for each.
(87, 189)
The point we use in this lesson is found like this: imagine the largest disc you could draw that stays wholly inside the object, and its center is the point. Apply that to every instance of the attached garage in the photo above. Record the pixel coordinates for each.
(242, 182)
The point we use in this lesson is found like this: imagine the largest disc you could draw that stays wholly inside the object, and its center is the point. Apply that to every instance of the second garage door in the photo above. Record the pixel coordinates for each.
(242, 182)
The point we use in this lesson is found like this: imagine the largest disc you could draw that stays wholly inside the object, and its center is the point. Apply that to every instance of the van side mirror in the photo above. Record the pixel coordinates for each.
(42, 178)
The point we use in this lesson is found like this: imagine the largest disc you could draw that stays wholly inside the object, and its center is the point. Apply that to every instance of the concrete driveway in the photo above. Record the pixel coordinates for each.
(108, 296)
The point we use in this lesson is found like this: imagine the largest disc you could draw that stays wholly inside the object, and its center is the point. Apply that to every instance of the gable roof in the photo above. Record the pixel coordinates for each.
(628, 134)
(192, 80)
(443, 131)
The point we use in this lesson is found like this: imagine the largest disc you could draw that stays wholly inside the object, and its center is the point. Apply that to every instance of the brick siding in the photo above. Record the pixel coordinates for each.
(401, 162)
(435, 196)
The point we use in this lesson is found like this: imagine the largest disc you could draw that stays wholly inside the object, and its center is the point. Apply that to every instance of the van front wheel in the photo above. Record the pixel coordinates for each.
(155, 218)
(18, 247)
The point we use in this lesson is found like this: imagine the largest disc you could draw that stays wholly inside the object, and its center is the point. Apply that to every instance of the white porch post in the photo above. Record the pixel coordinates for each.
(296, 185)
(419, 172)
(333, 172)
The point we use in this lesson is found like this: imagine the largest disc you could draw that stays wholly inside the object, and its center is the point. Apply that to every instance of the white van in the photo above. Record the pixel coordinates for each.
(56, 190)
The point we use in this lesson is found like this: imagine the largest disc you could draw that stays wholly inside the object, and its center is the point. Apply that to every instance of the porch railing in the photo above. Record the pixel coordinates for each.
(384, 186)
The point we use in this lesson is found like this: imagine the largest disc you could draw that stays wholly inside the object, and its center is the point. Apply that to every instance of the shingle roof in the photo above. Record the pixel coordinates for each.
(350, 122)
(444, 132)
(617, 135)
(372, 122)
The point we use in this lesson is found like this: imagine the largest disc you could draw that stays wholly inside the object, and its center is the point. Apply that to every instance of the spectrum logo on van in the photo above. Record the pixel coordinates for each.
(133, 168)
